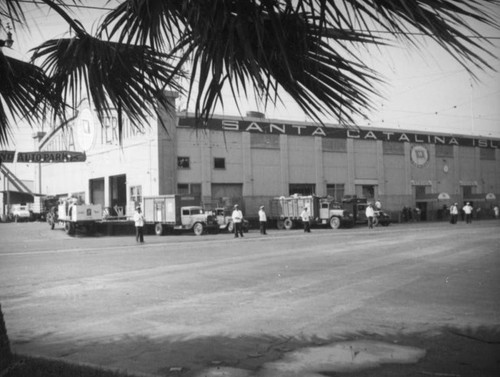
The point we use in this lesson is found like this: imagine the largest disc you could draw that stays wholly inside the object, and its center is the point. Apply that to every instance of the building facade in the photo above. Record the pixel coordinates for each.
(250, 160)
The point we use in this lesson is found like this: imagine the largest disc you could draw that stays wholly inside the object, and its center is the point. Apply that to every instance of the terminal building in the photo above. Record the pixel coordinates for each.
(250, 160)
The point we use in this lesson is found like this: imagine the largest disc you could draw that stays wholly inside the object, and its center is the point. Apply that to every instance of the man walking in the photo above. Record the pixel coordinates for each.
(369, 212)
(237, 217)
(468, 213)
(306, 220)
(262, 220)
(139, 225)
(454, 213)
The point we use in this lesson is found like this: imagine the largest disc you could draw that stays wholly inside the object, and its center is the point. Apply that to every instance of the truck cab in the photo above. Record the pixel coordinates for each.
(195, 218)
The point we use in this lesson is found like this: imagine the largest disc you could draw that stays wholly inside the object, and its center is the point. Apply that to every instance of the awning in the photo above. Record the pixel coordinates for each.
(490, 196)
(443, 196)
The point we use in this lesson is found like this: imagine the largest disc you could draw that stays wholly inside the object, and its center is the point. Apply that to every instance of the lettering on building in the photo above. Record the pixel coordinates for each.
(266, 127)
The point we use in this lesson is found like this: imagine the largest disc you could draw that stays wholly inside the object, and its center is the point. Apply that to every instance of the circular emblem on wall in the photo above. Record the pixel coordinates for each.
(419, 155)
(86, 130)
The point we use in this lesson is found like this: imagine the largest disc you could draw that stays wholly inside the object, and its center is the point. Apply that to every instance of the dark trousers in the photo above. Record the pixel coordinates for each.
(468, 218)
(307, 227)
(139, 234)
(238, 229)
(262, 227)
(370, 222)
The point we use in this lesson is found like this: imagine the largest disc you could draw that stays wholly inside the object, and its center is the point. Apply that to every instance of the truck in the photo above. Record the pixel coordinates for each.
(42, 205)
(286, 211)
(169, 213)
(357, 205)
(72, 214)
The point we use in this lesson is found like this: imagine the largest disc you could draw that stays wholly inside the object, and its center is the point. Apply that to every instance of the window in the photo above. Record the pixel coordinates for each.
(420, 191)
(394, 148)
(487, 154)
(183, 162)
(189, 188)
(365, 191)
(136, 195)
(467, 191)
(444, 151)
(264, 141)
(219, 163)
(334, 145)
(335, 190)
(302, 189)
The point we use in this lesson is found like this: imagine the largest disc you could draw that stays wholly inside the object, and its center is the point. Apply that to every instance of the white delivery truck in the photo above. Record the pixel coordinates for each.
(172, 213)
(72, 214)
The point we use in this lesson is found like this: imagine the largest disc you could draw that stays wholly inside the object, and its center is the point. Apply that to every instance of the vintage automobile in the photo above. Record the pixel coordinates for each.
(19, 212)
(225, 220)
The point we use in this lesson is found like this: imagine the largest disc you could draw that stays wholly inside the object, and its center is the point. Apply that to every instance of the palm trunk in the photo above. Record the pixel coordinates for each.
(5, 353)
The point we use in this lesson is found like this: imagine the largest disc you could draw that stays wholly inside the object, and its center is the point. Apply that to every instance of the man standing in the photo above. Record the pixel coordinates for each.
(262, 220)
(468, 213)
(139, 225)
(237, 216)
(305, 220)
(454, 213)
(369, 212)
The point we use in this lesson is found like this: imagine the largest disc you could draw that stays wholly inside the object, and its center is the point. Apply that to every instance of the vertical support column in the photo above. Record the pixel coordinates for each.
(407, 162)
(318, 166)
(247, 164)
(433, 167)
(380, 169)
(456, 172)
(167, 146)
(205, 145)
(284, 164)
(350, 188)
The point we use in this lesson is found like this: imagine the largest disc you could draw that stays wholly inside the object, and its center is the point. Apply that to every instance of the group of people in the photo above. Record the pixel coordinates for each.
(237, 217)
(467, 210)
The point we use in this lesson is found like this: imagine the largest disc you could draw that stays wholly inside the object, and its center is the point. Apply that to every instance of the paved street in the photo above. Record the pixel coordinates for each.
(186, 305)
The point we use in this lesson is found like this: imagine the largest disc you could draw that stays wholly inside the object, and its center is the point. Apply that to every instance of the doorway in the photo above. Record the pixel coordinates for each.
(118, 193)
(422, 206)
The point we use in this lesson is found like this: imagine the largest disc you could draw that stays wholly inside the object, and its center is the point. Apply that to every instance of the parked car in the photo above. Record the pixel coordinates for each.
(20, 212)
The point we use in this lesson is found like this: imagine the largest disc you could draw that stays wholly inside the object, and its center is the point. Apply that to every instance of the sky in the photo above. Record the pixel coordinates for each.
(424, 90)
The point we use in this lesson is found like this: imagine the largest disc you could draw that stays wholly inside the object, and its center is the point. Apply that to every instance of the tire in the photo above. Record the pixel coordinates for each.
(288, 224)
(335, 222)
(198, 229)
(69, 228)
(159, 229)
(230, 227)
(280, 224)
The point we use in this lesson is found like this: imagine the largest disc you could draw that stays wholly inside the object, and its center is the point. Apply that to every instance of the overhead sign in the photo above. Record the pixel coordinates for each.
(7, 156)
(43, 157)
(303, 129)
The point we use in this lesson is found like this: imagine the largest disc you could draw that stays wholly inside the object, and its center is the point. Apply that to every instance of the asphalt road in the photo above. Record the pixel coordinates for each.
(218, 306)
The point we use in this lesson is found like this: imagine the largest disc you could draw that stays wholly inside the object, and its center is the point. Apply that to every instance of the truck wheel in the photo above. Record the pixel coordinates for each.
(69, 228)
(198, 229)
(159, 229)
(288, 224)
(280, 224)
(230, 227)
(335, 222)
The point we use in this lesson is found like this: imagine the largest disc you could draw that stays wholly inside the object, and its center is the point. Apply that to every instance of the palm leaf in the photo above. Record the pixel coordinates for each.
(23, 94)
(302, 47)
(127, 78)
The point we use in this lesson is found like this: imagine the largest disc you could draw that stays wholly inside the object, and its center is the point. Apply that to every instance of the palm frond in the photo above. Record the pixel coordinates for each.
(128, 78)
(302, 47)
(23, 94)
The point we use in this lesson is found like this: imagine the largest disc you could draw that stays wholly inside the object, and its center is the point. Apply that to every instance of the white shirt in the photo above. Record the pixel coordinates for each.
(262, 215)
(237, 216)
(305, 215)
(139, 219)
(369, 211)
(467, 209)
